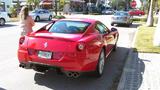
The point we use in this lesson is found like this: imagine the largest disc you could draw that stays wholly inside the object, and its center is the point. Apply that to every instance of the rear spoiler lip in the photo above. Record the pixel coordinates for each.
(60, 38)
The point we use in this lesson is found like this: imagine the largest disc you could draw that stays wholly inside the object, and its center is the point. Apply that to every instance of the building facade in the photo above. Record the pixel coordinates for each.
(5, 5)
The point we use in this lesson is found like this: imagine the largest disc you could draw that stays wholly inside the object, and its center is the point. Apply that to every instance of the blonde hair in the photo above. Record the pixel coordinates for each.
(24, 13)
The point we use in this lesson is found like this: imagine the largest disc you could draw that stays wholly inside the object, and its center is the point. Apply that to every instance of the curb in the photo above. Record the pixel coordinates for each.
(121, 85)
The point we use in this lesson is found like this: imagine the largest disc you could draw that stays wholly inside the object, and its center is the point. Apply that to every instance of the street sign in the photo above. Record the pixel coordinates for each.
(133, 4)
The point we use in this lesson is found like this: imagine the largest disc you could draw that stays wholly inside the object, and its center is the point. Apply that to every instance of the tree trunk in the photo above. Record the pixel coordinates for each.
(149, 3)
(150, 15)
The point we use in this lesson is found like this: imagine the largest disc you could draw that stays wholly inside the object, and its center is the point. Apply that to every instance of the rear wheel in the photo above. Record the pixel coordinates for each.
(37, 19)
(2, 21)
(50, 18)
(128, 24)
(115, 47)
(100, 66)
(112, 24)
(140, 14)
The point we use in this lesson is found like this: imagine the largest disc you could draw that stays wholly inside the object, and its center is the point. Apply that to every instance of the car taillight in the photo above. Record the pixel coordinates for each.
(81, 46)
(21, 40)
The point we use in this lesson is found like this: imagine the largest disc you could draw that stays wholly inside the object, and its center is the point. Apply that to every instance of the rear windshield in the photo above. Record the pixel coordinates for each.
(121, 14)
(70, 27)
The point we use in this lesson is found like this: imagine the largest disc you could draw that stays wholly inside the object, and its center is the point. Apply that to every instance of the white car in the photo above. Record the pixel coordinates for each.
(3, 18)
(41, 14)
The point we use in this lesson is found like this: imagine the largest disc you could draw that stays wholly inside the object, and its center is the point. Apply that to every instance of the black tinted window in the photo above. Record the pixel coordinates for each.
(71, 27)
(101, 28)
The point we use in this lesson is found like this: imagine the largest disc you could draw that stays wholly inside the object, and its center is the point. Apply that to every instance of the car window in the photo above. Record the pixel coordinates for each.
(70, 27)
(45, 11)
(101, 28)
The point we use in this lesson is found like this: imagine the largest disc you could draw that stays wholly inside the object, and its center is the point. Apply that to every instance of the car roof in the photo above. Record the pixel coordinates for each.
(80, 19)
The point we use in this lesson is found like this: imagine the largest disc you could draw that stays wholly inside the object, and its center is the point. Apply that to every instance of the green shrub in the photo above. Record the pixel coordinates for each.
(59, 17)
(12, 12)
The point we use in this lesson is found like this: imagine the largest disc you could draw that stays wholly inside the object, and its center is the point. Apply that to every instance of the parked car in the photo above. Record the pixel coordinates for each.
(136, 12)
(107, 11)
(121, 17)
(72, 46)
(41, 14)
(3, 18)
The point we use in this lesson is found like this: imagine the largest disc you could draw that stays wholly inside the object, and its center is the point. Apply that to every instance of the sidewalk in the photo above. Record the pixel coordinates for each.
(141, 72)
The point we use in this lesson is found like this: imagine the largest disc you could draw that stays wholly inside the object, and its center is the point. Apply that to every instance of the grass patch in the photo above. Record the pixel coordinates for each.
(144, 40)
(144, 20)
(59, 17)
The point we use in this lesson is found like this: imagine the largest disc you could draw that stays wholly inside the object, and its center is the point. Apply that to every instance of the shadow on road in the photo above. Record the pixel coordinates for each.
(134, 25)
(132, 73)
(112, 72)
(2, 88)
(8, 25)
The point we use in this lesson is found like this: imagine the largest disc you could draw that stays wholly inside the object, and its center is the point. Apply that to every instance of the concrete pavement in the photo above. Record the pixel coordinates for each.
(140, 72)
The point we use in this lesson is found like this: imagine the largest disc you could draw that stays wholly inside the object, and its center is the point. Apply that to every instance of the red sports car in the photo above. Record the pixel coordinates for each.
(136, 12)
(71, 46)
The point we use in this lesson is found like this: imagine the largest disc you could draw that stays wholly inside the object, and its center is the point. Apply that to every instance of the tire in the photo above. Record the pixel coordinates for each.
(50, 18)
(128, 24)
(37, 19)
(112, 24)
(2, 21)
(100, 66)
(115, 47)
(40, 69)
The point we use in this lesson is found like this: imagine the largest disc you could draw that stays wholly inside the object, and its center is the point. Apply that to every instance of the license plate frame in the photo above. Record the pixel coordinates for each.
(45, 54)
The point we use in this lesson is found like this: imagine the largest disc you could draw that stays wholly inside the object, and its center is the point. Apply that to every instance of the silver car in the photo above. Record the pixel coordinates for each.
(107, 12)
(121, 17)
(41, 14)
(3, 18)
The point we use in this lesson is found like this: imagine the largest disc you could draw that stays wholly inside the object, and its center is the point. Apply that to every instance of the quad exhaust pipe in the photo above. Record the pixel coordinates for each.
(68, 73)
(26, 66)
(72, 74)
(22, 65)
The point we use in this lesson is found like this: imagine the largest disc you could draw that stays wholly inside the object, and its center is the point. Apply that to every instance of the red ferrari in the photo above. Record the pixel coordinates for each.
(71, 46)
(136, 12)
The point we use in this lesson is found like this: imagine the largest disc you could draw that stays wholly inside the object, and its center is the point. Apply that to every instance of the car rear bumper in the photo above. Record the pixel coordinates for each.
(78, 63)
(120, 22)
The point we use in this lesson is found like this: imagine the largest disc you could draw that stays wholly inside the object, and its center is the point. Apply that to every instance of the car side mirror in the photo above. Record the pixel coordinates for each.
(113, 29)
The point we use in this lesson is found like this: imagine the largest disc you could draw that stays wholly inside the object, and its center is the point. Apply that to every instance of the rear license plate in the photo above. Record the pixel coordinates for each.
(45, 55)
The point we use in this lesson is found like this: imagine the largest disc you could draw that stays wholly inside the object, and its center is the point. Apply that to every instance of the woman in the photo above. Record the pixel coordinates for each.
(26, 21)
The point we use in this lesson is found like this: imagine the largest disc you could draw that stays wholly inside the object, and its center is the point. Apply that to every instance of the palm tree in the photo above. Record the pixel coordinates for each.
(150, 14)
(36, 3)
(31, 2)
(18, 4)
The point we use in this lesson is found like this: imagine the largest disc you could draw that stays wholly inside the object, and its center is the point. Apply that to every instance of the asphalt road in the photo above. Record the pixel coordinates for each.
(12, 77)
